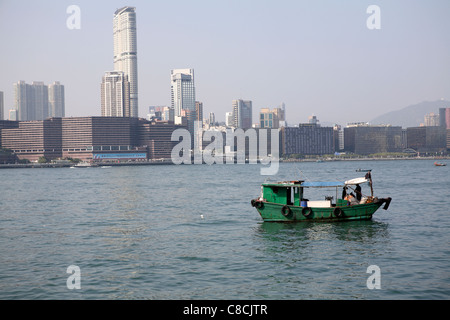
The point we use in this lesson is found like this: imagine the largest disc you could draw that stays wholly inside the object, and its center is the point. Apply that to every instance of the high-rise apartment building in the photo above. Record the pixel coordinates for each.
(182, 90)
(22, 93)
(125, 51)
(115, 95)
(338, 134)
(431, 120)
(38, 101)
(242, 113)
(56, 104)
(1, 106)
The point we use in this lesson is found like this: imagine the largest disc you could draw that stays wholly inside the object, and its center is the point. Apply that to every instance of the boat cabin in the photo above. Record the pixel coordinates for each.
(291, 193)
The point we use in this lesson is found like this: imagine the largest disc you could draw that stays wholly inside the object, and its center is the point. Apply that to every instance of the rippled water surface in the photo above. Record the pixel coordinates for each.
(189, 232)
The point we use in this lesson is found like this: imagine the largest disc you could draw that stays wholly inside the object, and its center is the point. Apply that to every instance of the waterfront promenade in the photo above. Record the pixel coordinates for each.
(169, 162)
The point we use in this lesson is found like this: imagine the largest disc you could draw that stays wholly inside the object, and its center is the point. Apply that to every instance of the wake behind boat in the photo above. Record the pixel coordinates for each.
(286, 201)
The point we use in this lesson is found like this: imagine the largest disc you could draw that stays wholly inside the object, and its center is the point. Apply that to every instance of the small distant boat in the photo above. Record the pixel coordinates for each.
(85, 164)
(440, 164)
(286, 201)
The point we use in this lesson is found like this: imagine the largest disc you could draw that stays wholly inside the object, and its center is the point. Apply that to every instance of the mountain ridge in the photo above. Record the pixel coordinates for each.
(412, 115)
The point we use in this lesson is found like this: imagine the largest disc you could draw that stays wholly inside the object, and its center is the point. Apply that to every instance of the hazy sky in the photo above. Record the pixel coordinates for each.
(317, 56)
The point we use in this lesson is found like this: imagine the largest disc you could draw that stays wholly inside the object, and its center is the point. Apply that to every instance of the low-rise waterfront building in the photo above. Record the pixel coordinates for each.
(367, 139)
(307, 139)
(88, 138)
(7, 124)
(427, 139)
(34, 139)
(155, 136)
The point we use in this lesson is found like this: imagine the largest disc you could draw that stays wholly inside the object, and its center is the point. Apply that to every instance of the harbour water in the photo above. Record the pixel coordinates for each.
(189, 232)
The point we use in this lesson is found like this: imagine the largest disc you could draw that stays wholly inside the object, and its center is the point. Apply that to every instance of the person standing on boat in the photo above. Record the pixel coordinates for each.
(358, 192)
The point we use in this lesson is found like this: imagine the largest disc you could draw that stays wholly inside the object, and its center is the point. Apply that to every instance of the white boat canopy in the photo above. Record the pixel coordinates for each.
(356, 181)
(329, 184)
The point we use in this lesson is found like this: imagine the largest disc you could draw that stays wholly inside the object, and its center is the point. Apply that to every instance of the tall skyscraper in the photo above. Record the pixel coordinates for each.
(115, 95)
(229, 119)
(56, 104)
(182, 90)
(282, 115)
(125, 51)
(212, 119)
(2, 116)
(447, 118)
(242, 113)
(444, 118)
(199, 110)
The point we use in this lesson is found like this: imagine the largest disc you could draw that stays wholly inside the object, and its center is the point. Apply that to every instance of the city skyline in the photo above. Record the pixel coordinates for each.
(316, 58)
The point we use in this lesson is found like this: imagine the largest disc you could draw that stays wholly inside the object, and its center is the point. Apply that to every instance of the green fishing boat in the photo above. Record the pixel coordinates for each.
(287, 201)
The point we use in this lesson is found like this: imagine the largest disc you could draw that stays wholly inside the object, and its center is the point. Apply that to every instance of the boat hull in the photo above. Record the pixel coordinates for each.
(274, 212)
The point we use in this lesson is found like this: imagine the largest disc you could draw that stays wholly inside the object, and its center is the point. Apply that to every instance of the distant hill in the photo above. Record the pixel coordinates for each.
(411, 116)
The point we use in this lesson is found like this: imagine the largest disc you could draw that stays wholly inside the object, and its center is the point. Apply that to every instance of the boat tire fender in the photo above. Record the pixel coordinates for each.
(306, 211)
(338, 212)
(286, 211)
(258, 204)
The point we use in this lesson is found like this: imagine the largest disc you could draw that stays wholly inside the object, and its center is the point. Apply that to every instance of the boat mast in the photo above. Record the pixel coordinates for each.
(369, 176)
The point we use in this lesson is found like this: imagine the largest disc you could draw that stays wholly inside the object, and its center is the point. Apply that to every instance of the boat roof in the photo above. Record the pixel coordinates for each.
(317, 184)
